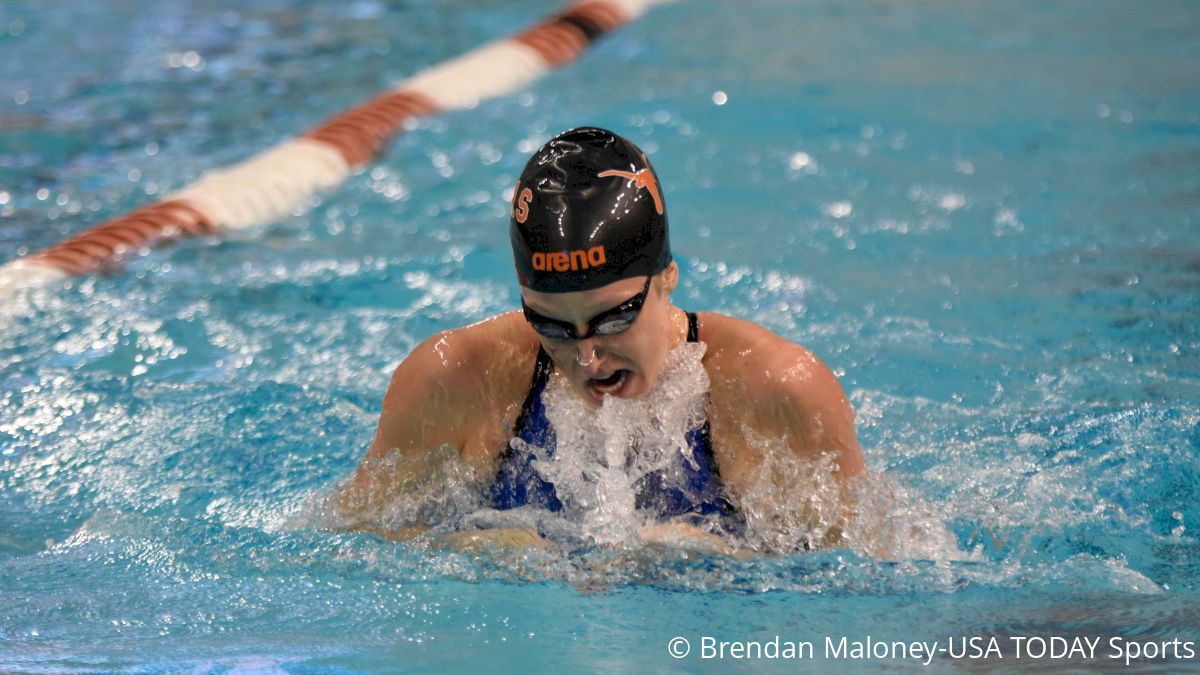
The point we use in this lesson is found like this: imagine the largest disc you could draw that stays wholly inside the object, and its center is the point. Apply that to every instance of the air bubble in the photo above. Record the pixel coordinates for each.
(839, 209)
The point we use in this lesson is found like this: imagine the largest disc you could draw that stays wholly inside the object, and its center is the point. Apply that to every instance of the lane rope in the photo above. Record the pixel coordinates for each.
(275, 182)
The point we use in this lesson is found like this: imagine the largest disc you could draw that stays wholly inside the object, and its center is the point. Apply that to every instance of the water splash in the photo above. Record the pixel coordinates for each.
(399, 491)
(601, 454)
(892, 522)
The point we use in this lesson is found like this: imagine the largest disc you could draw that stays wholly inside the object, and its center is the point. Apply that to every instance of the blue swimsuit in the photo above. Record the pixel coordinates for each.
(697, 494)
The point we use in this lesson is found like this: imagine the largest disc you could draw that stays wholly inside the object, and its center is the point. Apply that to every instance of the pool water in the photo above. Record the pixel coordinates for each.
(983, 218)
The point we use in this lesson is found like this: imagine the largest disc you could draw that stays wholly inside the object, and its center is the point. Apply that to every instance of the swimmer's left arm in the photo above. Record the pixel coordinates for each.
(776, 389)
(773, 400)
(811, 409)
(817, 421)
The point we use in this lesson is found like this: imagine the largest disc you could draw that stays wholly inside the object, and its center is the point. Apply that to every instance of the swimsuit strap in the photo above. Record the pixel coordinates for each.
(541, 375)
(705, 431)
(693, 328)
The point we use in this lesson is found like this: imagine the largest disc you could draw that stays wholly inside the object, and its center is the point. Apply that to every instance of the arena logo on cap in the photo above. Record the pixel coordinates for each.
(569, 261)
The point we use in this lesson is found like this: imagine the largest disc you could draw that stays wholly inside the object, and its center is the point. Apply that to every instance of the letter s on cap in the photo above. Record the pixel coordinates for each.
(521, 205)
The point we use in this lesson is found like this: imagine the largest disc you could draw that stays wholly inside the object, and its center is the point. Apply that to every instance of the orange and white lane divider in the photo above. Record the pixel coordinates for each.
(279, 180)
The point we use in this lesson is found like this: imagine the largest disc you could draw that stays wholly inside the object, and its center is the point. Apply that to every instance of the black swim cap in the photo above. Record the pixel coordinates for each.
(587, 211)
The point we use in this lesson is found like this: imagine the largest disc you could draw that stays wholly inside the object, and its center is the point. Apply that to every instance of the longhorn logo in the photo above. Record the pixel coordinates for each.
(642, 179)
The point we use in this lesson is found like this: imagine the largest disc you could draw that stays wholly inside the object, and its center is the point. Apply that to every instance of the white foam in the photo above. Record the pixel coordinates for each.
(423, 488)
(601, 454)
(19, 280)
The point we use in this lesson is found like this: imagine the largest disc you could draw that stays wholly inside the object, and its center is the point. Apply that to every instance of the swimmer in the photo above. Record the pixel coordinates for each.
(589, 237)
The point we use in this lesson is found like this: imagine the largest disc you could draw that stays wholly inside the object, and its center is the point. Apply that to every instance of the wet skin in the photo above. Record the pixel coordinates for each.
(464, 388)
(624, 365)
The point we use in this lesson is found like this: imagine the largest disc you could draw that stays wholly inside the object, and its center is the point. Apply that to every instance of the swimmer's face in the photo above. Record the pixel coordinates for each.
(627, 364)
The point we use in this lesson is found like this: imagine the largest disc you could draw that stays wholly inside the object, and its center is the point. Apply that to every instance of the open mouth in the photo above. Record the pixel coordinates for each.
(610, 384)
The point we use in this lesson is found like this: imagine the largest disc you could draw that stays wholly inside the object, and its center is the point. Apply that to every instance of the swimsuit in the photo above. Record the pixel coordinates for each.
(693, 488)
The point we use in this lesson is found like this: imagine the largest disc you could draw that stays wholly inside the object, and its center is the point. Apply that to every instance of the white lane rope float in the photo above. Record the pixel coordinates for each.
(270, 185)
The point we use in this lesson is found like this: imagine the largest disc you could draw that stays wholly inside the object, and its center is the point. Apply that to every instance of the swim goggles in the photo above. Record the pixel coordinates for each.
(609, 322)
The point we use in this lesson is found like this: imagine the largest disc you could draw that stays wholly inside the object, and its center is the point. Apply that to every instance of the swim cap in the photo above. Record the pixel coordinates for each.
(586, 212)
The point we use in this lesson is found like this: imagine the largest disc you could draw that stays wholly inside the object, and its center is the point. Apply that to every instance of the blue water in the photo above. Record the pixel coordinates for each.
(984, 218)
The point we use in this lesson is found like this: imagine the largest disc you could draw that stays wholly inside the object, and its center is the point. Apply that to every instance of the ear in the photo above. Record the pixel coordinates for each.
(670, 277)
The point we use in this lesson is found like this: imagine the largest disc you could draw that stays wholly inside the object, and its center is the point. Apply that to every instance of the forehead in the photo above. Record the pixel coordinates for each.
(583, 304)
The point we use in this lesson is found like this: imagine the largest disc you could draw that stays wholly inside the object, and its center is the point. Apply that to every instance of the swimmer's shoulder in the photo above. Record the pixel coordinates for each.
(752, 351)
(463, 382)
(774, 386)
(489, 350)
(748, 363)
(483, 363)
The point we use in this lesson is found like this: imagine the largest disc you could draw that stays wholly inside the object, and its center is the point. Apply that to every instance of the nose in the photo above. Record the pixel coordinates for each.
(589, 356)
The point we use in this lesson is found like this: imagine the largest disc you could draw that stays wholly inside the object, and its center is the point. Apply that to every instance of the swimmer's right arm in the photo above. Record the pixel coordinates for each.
(446, 403)
(428, 406)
